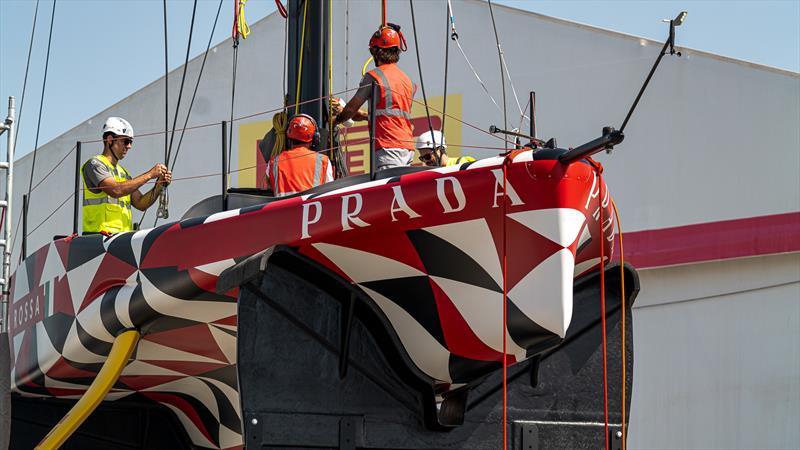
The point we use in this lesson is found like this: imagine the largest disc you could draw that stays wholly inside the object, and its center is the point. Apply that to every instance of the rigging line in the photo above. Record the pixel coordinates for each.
(513, 89)
(164, 196)
(197, 84)
(454, 36)
(465, 123)
(41, 100)
(506, 162)
(603, 301)
(421, 79)
(622, 312)
(236, 119)
(502, 77)
(233, 97)
(446, 64)
(477, 77)
(183, 80)
(330, 74)
(522, 115)
(166, 83)
(50, 215)
(166, 107)
(52, 170)
(346, 62)
(300, 62)
(27, 67)
(285, 15)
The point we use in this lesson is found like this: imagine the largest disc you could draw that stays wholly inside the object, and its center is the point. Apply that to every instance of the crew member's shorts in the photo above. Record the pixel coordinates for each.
(386, 158)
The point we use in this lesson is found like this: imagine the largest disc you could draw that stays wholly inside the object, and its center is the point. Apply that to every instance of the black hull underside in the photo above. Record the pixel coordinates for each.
(290, 333)
(293, 396)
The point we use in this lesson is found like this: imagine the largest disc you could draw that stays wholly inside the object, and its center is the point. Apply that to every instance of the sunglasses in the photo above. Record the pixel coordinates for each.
(426, 157)
(126, 141)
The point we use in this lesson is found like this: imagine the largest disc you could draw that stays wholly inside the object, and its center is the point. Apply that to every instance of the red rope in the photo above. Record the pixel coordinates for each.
(383, 13)
(281, 9)
(235, 32)
(506, 162)
(623, 310)
(603, 307)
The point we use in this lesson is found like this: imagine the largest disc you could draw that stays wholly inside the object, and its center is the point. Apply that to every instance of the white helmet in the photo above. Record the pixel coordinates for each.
(118, 126)
(426, 140)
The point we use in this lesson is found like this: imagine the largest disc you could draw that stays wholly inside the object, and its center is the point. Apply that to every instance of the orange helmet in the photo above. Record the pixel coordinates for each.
(388, 37)
(302, 128)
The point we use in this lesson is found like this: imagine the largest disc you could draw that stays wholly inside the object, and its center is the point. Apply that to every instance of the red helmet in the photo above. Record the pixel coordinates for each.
(388, 37)
(302, 128)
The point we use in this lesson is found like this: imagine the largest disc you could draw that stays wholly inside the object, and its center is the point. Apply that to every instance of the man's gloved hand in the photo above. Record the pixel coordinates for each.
(337, 104)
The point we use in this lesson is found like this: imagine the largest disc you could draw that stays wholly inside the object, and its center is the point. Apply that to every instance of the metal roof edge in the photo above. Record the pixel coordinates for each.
(621, 34)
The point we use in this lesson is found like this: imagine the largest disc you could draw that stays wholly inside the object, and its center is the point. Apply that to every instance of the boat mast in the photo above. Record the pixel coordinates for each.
(308, 60)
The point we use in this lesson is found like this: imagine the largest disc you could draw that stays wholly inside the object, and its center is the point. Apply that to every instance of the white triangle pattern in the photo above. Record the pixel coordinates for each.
(363, 267)
(81, 277)
(53, 267)
(545, 293)
(20, 281)
(560, 225)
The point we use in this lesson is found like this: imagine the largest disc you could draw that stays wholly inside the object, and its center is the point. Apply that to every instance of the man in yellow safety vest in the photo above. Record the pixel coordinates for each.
(109, 190)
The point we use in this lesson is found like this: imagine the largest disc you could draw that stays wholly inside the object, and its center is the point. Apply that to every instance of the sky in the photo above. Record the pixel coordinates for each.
(124, 39)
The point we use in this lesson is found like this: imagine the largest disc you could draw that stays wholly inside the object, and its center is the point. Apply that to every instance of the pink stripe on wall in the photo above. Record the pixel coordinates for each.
(753, 236)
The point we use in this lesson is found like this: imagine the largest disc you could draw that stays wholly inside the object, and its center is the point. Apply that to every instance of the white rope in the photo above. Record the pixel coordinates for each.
(469, 63)
(522, 115)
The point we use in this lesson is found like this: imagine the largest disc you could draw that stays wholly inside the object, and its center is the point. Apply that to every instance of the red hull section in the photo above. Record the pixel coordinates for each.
(427, 247)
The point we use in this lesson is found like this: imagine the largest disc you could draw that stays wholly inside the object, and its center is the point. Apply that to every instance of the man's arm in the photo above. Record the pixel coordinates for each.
(143, 201)
(351, 109)
(117, 189)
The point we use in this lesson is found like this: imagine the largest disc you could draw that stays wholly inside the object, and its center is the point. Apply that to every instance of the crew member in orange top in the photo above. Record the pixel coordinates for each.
(299, 168)
(394, 141)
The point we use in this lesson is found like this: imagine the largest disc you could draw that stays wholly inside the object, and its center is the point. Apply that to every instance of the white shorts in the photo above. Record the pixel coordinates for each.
(386, 158)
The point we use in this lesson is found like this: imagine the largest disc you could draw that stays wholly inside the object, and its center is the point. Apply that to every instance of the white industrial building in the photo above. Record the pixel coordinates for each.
(707, 183)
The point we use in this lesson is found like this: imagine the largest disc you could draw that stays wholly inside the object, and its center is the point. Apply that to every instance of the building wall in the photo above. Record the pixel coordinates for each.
(713, 139)
(717, 355)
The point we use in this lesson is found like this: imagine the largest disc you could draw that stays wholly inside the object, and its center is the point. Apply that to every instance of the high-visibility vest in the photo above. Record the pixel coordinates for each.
(101, 212)
(297, 170)
(393, 111)
(458, 161)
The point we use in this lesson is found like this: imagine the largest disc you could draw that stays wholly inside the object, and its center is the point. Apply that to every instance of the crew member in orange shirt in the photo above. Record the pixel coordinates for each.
(299, 168)
(394, 141)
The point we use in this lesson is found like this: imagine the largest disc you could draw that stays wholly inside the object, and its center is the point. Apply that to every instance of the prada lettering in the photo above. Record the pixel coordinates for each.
(448, 190)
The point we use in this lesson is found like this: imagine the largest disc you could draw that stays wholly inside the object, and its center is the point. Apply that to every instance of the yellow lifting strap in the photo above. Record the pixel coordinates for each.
(117, 359)
(244, 29)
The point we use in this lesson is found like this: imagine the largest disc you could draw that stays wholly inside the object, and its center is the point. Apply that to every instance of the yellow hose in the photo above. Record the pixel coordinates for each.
(117, 359)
